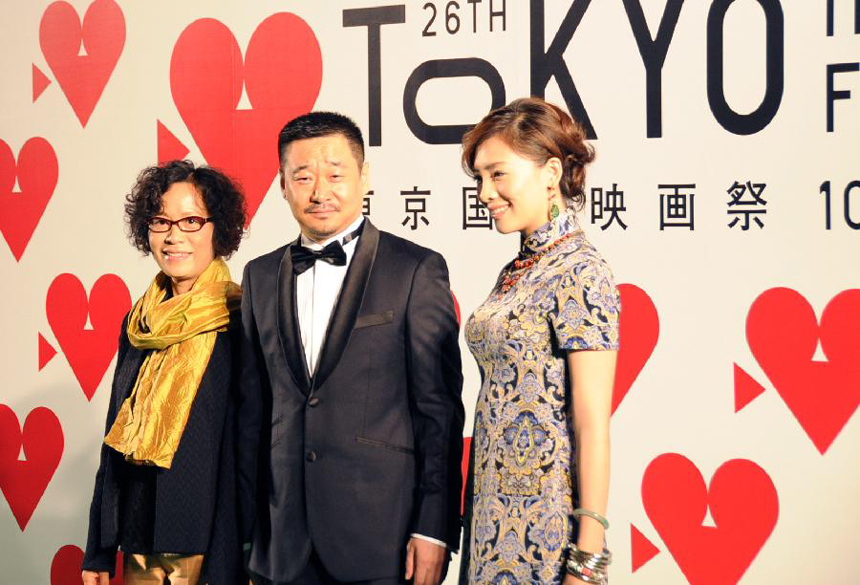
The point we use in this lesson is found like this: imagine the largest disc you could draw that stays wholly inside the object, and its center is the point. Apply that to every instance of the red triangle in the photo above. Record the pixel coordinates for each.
(464, 468)
(46, 352)
(641, 549)
(40, 82)
(169, 146)
(746, 388)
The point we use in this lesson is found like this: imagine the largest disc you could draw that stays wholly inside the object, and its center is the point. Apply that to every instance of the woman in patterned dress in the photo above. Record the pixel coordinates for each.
(545, 341)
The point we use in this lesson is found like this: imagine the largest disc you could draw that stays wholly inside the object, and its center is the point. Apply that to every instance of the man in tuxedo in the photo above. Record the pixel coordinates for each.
(352, 363)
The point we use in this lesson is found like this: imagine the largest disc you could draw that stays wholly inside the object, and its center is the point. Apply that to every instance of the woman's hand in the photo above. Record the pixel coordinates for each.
(93, 578)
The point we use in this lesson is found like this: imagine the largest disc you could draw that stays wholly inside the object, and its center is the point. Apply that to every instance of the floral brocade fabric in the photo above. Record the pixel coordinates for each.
(521, 482)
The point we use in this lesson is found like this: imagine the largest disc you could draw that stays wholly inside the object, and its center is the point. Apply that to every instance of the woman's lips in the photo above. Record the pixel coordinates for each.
(497, 211)
(176, 256)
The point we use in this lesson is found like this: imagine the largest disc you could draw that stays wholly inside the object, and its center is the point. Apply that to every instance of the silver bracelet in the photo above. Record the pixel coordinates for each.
(588, 567)
(586, 574)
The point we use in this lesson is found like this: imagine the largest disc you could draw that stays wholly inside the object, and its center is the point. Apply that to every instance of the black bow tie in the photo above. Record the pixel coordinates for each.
(303, 258)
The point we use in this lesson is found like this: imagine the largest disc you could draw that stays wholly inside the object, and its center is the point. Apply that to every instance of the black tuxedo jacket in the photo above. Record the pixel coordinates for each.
(365, 452)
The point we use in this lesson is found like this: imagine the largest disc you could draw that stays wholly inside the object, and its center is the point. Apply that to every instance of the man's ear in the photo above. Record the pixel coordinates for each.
(365, 177)
(283, 182)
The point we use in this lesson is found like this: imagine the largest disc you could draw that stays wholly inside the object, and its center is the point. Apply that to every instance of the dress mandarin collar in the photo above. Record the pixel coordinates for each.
(551, 231)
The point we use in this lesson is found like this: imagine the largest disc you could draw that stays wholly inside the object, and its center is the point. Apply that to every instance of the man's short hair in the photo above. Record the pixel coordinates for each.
(317, 124)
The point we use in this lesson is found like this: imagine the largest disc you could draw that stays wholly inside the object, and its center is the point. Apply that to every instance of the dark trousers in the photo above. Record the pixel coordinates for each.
(315, 574)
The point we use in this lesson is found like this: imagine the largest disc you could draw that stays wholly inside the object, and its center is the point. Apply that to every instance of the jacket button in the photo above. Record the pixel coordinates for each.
(313, 401)
(311, 456)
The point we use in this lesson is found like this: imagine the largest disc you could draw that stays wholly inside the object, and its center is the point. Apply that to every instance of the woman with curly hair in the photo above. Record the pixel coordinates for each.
(166, 490)
(545, 341)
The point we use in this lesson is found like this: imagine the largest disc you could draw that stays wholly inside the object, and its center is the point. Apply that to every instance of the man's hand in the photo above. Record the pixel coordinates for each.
(424, 561)
(93, 578)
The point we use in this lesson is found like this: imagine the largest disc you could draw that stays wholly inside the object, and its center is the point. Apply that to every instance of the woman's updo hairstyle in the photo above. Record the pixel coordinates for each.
(539, 131)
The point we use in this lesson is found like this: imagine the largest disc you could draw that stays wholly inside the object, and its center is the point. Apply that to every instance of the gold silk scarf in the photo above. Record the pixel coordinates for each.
(181, 333)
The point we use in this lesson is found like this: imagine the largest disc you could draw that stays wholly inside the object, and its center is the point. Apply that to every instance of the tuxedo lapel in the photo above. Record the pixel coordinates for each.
(348, 303)
(288, 323)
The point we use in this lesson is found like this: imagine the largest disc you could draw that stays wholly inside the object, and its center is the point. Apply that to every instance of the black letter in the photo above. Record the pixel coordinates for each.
(495, 13)
(755, 121)
(469, 67)
(373, 19)
(474, 4)
(832, 95)
(549, 63)
(830, 17)
(653, 56)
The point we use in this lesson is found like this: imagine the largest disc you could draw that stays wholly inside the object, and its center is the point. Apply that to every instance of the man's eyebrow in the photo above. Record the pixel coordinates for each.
(299, 168)
(335, 163)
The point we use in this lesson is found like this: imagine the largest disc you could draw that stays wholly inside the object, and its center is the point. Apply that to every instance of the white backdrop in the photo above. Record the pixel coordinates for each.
(722, 379)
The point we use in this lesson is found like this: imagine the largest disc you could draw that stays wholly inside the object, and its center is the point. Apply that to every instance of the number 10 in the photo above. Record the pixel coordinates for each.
(825, 189)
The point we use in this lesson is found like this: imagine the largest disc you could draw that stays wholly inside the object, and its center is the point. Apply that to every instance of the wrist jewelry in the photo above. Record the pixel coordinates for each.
(588, 567)
(584, 512)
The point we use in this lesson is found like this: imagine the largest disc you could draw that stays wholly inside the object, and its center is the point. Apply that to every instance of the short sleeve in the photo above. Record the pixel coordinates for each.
(586, 307)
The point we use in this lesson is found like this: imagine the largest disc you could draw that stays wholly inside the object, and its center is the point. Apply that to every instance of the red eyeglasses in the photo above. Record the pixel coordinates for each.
(192, 223)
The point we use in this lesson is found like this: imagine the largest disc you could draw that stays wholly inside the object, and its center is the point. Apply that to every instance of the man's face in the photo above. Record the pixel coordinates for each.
(324, 184)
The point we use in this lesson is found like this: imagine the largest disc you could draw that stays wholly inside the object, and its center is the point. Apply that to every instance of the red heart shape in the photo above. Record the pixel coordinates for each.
(282, 74)
(639, 328)
(744, 507)
(36, 171)
(89, 351)
(24, 482)
(82, 77)
(782, 333)
(66, 566)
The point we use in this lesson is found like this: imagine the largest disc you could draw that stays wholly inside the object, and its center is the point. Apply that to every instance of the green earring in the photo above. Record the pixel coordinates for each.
(554, 211)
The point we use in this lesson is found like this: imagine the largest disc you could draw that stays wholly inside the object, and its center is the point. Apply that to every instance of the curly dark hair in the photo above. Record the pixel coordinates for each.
(538, 130)
(223, 198)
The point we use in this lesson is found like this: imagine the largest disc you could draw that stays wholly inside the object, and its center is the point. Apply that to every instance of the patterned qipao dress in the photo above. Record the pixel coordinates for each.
(521, 485)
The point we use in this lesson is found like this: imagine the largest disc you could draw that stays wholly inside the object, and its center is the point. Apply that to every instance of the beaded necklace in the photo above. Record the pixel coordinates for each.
(522, 265)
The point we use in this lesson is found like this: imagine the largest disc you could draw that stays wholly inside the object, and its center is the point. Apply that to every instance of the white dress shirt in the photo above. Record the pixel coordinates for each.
(317, 290)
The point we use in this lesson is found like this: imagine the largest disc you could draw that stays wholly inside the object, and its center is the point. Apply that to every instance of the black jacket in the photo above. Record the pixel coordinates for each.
(196, 499)
(367, 452)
